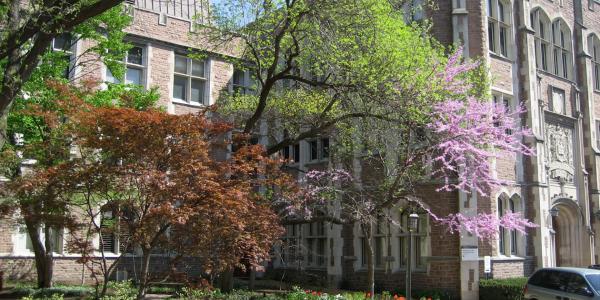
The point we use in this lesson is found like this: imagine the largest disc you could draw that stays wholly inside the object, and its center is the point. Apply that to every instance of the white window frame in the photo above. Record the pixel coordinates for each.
(562, 50)
(321, 154)
(563, 102)
(291, 247)
(248, 86)
(506, 101)
(380, 235)
(413, 11)
(316, 236)
(594, 50)
(543, 30)
(143, 67)
(597, 122)
(510, 243)
(71, 52)
(189, 77)
(499, 27)
(420, 238)
(22, 244)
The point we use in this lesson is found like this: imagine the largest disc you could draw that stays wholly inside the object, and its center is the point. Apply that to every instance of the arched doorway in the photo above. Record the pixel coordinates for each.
(567, 237)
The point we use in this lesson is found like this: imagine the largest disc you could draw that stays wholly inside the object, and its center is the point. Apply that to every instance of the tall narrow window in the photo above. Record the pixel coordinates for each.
(64, 43)
(513, 232)
(243, 82)
(594, 49)
(135, 64)
(190, 80)
(419, 242)
(541, 24)
(498, 13)
(509, 241)
(505, 101)
(501, 237)
(561, 40)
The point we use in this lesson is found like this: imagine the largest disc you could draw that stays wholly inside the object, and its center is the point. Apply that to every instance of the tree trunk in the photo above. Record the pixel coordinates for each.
(226, 281)
(4, 126)
(370, 259)
(44, 280)
(48, 256)
(143, 285)
(252, 279)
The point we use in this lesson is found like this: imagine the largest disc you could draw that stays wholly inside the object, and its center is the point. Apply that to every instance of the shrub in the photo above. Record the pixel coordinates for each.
(52, 297)
(502, 289)
(122, 290)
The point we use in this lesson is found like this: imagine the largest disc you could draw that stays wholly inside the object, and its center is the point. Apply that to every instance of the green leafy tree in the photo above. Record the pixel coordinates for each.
(39, 124)
(27, 31)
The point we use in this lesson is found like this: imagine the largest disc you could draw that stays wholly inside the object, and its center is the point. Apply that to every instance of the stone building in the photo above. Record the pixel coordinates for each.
(543, 54)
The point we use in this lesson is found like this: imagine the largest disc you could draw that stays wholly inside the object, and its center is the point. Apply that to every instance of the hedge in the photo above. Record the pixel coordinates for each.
(502, 289)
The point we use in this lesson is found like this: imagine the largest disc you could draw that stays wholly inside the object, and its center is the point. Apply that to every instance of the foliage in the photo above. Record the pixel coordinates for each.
(28, 33)
(56, 292)
(52, 297)
(316, 68)
(502, 289)
(160, 175)
(122, 290)
(216, 294)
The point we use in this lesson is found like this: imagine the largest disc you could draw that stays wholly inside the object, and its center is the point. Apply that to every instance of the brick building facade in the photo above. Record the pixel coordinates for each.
(543, 54)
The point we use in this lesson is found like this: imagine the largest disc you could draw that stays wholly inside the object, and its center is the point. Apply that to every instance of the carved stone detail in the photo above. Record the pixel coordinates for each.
(560, 152)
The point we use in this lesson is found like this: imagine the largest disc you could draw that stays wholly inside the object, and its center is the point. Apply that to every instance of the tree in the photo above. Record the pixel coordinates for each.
(27, 33)
(39, 165)
(315, 67)
(452, 142)
(162, 179)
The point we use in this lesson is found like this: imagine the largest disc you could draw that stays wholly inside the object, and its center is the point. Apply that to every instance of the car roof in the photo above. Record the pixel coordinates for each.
(582, 271)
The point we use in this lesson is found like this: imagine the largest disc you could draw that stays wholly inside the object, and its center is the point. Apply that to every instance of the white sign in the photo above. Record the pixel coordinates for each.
(487, 264)
(469, 253)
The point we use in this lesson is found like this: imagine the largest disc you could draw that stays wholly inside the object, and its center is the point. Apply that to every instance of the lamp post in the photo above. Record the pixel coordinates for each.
(413, 222)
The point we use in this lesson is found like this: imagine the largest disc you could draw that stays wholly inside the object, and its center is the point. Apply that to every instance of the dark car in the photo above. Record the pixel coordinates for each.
(563, 284)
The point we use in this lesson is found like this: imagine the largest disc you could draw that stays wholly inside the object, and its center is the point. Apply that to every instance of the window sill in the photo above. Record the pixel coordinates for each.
(190, 104)
(508, 258)
(500, 57)
(317, 161)
(547, 73)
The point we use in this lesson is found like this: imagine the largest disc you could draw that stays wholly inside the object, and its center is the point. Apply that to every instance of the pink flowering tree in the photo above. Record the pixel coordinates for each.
(451, 137)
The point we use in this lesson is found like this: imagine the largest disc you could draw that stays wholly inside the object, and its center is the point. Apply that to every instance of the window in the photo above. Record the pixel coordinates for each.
(243, 82)
(378, 244)
(190, 80)
(541, 24)
(557, 101)
(598, 134)
(64, 43)
(135, 64)
(290, 245)
(505, 101)
(114, 237)
(594, 48)
(319, 149)
(316, 242)
(498, 13)
(561, 53)
(419, 242)
(324, 148)
(413, 11)
(509, 241)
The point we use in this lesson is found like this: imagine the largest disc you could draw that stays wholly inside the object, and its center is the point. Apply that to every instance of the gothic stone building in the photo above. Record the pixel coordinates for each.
(543, 54)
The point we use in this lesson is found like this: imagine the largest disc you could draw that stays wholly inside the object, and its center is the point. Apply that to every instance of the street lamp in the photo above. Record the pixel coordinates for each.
(413, 222)
(554, 212)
